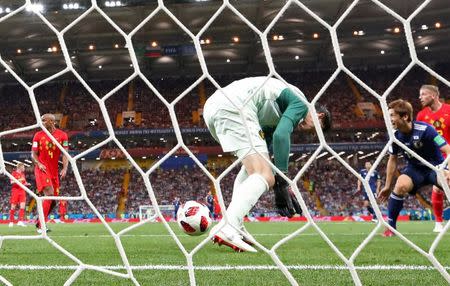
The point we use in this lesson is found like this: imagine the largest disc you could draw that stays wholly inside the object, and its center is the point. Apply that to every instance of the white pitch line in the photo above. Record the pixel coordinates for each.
(258, 234)
(222, 267)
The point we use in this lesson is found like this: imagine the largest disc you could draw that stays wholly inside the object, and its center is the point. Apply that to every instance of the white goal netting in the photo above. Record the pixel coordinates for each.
(196, 38)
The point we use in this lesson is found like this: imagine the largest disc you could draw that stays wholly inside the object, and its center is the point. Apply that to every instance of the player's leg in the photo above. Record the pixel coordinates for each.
(437, 201)
(44, 187)
(367, 205)
(22, 212)
(228, 129)
(55, 184)
(240, 178)
(260, 179)
(12, 212)
(245, 196)
(370, 209)
(46, 204)
(403, 186)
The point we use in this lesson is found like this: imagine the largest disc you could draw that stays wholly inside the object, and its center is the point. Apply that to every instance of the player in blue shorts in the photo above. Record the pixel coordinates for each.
(423, 139)
(374, 183)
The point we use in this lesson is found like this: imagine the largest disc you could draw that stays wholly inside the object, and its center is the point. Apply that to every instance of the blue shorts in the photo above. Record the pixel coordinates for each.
(366, 197)
(421, 176)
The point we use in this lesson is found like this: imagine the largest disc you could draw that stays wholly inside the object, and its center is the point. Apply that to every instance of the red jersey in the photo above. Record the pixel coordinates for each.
(20, 176)
(439, 119)
(48, 152)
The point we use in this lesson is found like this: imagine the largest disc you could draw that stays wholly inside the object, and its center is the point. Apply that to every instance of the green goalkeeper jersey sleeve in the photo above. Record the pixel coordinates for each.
(279, 138)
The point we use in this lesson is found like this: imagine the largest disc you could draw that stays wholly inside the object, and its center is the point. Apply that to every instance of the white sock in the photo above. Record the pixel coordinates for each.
(245, 197)
(240, 178)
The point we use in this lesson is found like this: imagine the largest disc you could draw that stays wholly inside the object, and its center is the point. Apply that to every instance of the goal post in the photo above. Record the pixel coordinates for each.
(147, 212)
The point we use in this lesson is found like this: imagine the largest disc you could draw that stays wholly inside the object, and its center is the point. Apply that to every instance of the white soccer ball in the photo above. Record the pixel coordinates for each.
(194, 218)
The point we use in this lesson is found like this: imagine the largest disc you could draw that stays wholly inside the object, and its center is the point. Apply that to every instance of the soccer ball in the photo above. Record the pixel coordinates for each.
(193, 218)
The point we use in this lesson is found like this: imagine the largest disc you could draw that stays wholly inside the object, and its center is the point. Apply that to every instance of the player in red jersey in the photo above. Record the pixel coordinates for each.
(45, 155)
(18, 195)
(437, 114)
(62, 210)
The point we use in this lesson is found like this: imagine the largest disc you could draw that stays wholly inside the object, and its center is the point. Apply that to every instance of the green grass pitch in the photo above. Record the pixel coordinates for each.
(151, 246)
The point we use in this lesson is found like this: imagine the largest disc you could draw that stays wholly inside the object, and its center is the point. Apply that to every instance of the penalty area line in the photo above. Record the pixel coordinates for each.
(222, 267)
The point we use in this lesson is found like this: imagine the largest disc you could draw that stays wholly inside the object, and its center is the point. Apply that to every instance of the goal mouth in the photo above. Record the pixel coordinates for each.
(151, 213)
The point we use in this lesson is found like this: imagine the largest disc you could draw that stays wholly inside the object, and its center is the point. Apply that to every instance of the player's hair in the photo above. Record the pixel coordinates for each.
(20, 164)
(402, 108)
(51, 115)
(432, 88)
(327, 121)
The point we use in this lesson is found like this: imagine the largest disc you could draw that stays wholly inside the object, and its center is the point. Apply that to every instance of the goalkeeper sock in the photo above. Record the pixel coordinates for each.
(395, 205)
(437, 200)
(11, 215)
(245, 197)
(240, 178)
(370, 210)
(21, 214)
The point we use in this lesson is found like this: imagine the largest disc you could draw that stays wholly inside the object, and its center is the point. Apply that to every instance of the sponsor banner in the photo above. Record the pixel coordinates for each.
(360, 124)
(170, 50)
(206, 150)
(184, 50)
(117, 132)
(366, 146)
(112, 153)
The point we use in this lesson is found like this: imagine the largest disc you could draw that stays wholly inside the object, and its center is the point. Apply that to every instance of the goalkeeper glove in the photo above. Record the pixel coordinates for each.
(295, 203)
(283, 197)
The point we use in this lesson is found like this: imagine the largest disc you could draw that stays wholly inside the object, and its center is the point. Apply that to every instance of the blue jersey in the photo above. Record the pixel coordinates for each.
(424, 140)
(176, 204)
(373, 178)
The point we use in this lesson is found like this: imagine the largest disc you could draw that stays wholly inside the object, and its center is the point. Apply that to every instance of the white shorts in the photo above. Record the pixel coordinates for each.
(228, 129)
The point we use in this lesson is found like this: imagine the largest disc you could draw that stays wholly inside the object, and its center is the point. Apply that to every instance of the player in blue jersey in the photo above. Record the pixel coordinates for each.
(424, 140)
(209, 199)
(374, 183)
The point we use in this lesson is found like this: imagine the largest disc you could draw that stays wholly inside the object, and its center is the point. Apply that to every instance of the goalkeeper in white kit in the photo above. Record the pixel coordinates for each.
(271, 114)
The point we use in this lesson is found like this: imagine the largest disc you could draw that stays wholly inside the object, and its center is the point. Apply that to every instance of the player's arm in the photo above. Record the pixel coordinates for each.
(379, 183)
(65, 166)
(16, 176)
(358, 187)
(65, 160)
(446, 149)
(268, 135)
(390, 172)
(35, 155)
(294, 111)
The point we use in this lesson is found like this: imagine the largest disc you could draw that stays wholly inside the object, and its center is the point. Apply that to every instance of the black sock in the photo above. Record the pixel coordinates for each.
(395, 205)
(371, 211)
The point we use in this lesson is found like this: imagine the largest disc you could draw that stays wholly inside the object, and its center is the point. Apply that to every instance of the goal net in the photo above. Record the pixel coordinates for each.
(147, 212)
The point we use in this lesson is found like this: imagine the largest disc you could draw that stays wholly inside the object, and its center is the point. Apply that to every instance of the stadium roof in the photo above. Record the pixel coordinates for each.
(368, 36)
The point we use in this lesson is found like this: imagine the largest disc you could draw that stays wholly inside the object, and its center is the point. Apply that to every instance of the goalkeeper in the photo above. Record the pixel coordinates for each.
(274, 110)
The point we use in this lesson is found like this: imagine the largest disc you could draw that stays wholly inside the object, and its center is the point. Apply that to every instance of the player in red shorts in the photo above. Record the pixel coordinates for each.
(45, 155)
(18, 195)
(437, 114)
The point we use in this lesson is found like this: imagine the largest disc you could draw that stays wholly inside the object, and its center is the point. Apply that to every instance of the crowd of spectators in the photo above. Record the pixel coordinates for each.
(84, 112)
